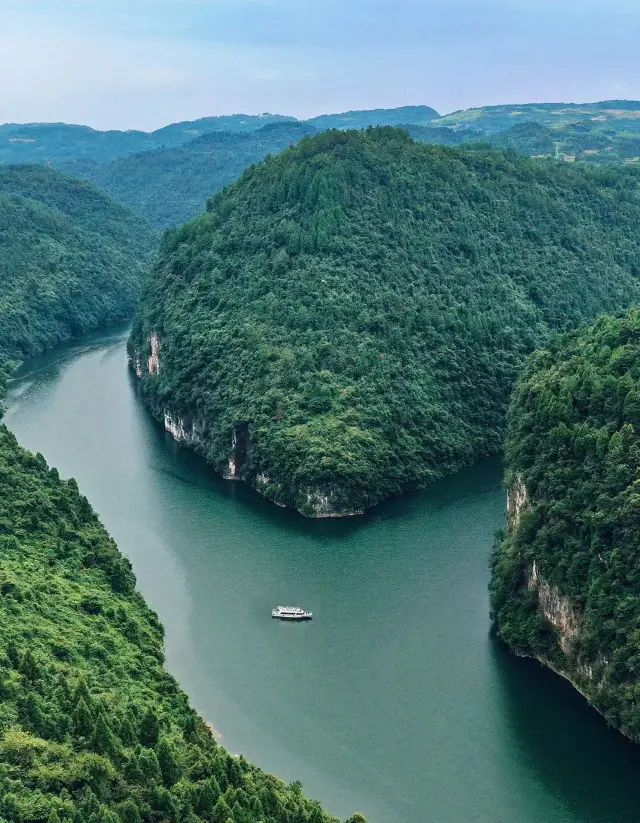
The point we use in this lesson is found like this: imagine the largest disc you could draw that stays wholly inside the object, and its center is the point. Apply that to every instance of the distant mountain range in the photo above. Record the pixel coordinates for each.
(168, 174)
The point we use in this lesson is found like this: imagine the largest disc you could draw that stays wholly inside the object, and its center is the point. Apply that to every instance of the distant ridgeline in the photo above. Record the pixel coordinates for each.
(168, 174)
(566, 575)
(70, 260)
(347, 320)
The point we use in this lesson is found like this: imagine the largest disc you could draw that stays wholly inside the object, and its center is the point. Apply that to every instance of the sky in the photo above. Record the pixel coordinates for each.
(145, 63)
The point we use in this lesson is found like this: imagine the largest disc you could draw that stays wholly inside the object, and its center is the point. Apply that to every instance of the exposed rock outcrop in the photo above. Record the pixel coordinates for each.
(183, 430)
(154, 358)
(556, 610)
(324, 503)
(517, 501)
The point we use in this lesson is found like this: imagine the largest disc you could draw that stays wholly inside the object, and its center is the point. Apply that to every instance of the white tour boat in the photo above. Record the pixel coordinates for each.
(290, 613)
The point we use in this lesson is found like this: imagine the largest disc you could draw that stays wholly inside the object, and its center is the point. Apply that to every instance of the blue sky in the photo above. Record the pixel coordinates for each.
(145, 63)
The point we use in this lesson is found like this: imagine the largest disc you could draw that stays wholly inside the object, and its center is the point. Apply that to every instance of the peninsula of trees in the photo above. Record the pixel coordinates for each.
(566, 574)
(347, 320)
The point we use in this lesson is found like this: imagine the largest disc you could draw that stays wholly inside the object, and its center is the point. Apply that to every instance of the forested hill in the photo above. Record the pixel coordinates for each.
(566, 576)
(70, 259)
(347, 320)
(404, 115)
(169, 186)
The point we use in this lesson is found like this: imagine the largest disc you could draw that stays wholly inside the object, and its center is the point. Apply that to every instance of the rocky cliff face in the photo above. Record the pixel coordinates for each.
(311, 502)
(558, 614)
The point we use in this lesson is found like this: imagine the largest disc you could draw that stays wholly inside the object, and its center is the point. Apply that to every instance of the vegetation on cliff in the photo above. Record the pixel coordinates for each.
(566, 576)
(364, 302)
(70, 259)
(92, 727)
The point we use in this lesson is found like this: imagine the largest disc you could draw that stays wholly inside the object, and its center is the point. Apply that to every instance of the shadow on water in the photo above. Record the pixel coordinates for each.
(591, 769)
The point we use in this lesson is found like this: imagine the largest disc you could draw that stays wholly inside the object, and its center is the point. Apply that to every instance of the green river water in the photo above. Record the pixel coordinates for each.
(395, 701)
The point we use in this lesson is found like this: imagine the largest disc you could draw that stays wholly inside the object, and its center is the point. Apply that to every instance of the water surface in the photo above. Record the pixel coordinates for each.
(395, 700)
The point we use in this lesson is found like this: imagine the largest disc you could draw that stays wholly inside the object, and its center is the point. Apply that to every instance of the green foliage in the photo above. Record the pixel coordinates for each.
(404, 115)
(70, 260)
(59, 142)
(361, 305)
(171, 185)
(92, 727)
(574, 442)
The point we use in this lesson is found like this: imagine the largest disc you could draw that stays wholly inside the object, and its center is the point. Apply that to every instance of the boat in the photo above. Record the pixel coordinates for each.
(290, 613)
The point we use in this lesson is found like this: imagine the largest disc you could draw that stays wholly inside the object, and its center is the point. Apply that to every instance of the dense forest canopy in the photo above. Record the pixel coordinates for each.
(364, 303)
(574, 445)
(70, 260)
(170, 186)
(92, 727)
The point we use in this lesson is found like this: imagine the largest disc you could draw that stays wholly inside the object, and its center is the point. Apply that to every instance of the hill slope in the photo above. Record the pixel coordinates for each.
(347, 320)
(619, 114)
(70, 259)
(92, 727)
(170, 186)
(566, 576)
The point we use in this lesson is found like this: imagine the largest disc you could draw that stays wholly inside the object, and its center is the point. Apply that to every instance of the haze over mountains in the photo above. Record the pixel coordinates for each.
(168, 174)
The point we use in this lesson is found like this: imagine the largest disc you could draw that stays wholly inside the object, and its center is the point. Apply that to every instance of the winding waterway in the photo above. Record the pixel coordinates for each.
(395, 700)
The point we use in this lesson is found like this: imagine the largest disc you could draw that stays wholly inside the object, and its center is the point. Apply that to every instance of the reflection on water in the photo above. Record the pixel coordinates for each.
(394, 699)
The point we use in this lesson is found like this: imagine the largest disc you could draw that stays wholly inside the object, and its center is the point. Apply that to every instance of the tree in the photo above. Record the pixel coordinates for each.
(129, 812)
(149, 730)
(207, 797)
(29, 667)
(169, 766)
(82, 719)
(221, 811)
(102, 739)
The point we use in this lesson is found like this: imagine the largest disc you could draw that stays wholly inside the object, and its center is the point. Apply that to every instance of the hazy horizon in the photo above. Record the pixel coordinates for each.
(318, 114)
(141, 64)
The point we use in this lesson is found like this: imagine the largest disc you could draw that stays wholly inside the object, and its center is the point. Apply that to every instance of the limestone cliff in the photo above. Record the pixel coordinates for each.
(238, 463)
(552, 627)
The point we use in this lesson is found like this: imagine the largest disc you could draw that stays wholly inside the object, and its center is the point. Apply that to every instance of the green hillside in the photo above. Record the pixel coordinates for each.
(70, 259)
(170, 186)
(92, 727)
(347, 319)
(608, 113)
(404, 115)
(566, 574)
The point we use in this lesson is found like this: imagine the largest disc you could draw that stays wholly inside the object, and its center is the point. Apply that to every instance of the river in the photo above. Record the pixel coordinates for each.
(395, 701)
